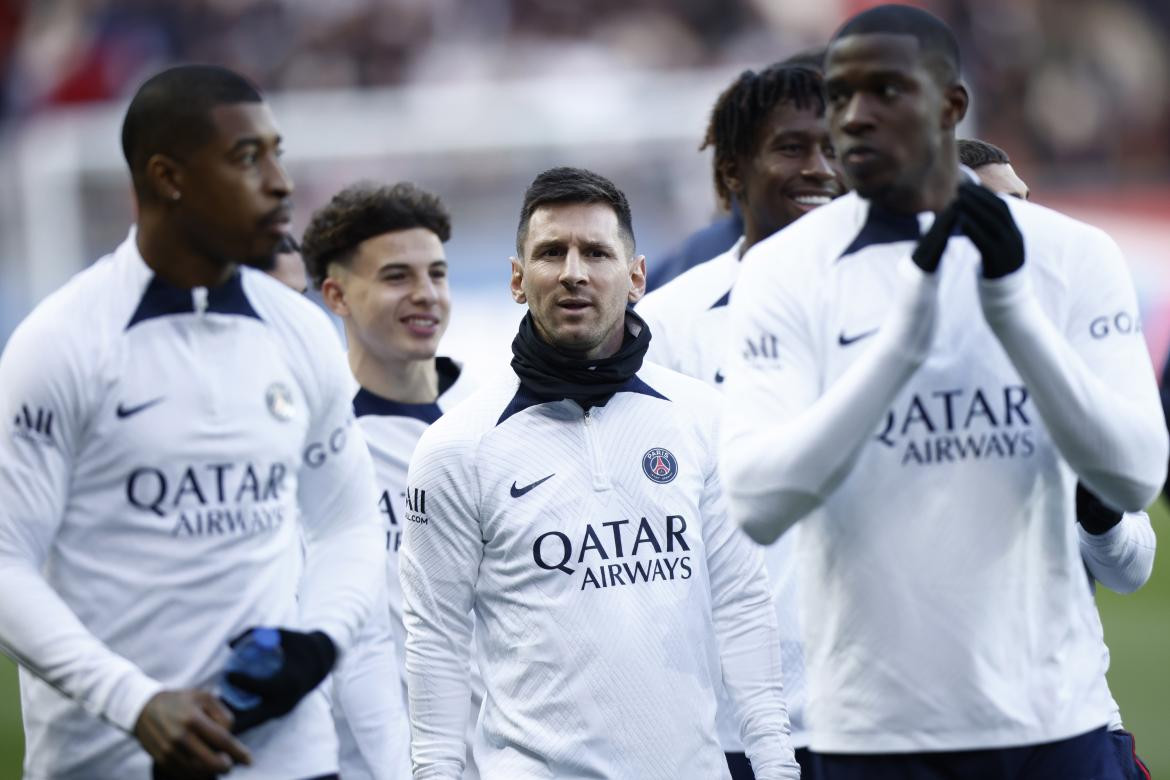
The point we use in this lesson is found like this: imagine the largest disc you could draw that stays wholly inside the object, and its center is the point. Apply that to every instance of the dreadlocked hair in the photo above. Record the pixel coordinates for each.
(741, 110)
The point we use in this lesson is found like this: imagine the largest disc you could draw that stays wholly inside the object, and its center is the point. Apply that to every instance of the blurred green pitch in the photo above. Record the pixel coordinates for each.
(1136, 628)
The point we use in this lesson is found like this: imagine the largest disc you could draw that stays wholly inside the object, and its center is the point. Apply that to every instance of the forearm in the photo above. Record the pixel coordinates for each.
(749, 645)
(1116, 442)
(1122, 558)
(778, 473)
(43, 635)
(439, 685)
(344, 570)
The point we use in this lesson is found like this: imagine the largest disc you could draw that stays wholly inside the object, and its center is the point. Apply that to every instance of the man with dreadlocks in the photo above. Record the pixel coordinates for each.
(773, 156)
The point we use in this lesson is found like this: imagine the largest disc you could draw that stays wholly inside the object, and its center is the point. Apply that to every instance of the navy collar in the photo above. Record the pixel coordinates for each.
(162, 299)
(526, 398)
(367, 403)
(883, 226)
(370, 403)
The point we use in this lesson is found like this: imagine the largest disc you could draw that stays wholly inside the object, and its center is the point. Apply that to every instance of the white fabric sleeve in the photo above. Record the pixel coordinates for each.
(43, 414)
(366, 690)
(653, 311)
(344, 548)
(1122, 558)
(786, 445)
(748, 638)
(1093, 384)
(438, 565)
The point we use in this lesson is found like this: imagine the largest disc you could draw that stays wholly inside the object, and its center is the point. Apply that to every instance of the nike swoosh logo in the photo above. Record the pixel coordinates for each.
(519, 491)
(845, 341)
(124, 411)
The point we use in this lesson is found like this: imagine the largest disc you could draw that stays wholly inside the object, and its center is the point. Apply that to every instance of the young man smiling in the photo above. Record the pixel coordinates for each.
(573, 505)
(924, 405)
(377, 255)
(774, 156)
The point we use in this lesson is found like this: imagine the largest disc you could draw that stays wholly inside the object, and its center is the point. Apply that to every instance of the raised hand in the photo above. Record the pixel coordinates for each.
(931, 246)
(986, 219)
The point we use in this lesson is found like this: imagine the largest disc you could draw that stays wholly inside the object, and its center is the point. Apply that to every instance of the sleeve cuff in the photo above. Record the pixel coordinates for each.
(1002, 297)
(129, 699)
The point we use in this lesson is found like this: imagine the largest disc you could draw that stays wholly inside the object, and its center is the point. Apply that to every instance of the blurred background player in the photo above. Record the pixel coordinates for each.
(573, 503)
(993, 166)
(376, 253)
(1118, 548)
(954, 632)
(772, 156)
(161, 457)
(286, 265)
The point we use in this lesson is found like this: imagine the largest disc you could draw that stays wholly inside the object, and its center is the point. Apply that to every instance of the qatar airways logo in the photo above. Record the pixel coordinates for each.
(947, 426)
(618, 552)
(212, 499)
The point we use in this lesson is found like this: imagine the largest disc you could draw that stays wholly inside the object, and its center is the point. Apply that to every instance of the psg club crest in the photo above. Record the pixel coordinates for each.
(659, 465)
(280, 401)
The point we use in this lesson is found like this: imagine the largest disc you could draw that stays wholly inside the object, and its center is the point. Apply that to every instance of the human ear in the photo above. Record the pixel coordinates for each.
(517, 281)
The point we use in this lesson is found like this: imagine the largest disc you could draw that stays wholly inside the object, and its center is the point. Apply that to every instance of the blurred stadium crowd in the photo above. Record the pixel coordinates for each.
(1079, 87)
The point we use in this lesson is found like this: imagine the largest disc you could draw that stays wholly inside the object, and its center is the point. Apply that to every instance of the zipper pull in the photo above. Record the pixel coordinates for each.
(199, 299)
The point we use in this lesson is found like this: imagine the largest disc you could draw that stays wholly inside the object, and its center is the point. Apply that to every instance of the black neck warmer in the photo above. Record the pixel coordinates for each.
(549, 373)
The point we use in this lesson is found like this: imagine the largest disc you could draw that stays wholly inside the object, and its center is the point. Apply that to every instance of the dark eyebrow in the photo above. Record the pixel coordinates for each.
(548, 243)
(602, 245)
(252, 141)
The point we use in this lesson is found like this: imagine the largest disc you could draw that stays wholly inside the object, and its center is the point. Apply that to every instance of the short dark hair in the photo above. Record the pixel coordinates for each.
(573, 185)
(171, 112)
(742, 109)
(936, 41)
(363, 211)
(975, 153)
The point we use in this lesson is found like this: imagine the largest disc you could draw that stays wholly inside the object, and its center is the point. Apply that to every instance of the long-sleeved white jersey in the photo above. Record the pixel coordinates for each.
(1122, 560)
(932, 428)
(688, 320)
(610, 591)
(157, 446)
(371, 722)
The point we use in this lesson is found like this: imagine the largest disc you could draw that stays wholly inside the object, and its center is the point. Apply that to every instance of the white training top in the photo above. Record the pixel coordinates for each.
(1121, 559)
(610, 591)
(157, 445)
(371, 720)
(687, 318)
(932, 429)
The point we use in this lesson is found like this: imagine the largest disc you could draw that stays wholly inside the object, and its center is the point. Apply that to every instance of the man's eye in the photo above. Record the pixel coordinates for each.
(889, 91)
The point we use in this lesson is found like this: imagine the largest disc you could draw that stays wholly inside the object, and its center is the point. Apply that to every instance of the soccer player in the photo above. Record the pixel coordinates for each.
(573, 503)
(993, 166)
(376, 253)
(1118, 548)
(170, 418)
(923, 373)
(286, 265)
(772, 155)
(714, 239)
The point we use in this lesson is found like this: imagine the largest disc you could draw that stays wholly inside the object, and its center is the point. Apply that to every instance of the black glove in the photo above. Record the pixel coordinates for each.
(308, 659)
(931, 246)
(987, 221)
(1094, 517)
